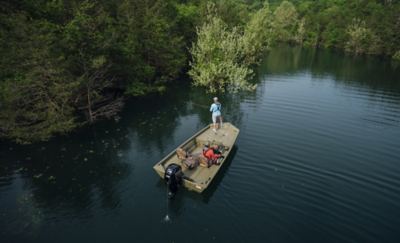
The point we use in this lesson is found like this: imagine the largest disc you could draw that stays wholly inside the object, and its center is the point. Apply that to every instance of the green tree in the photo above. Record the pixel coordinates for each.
(396, 56)
(285, 18)
(257, 33)
(300, 32)
(88, 36)
(372, 43)
(357, 33)
(150, 49)
(219, 56)
(36, 95)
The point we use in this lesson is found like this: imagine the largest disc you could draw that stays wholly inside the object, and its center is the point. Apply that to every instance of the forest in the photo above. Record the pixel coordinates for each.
(67, 63)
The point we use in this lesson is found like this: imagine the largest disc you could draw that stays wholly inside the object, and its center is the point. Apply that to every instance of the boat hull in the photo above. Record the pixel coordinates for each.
(199, 178)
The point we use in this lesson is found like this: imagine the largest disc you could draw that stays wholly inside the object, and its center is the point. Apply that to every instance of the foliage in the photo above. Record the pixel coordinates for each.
(35, 98)
(89, 35)
(300, 31)
(357, 33)
(257, 34)
(63, 57)
(219, 56)
(331, 24)
(285, 18)
(396, 56)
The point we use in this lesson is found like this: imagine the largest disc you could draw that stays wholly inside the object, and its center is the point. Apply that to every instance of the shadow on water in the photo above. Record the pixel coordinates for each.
(207, 194)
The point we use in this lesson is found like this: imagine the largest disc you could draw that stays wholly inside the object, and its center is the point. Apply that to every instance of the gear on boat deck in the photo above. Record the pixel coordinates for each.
(199, 178)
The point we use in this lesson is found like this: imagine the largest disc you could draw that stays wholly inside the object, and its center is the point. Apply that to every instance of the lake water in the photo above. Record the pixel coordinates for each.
(317, 160)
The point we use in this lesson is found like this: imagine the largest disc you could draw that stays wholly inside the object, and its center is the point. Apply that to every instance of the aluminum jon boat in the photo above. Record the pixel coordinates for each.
(199, 178)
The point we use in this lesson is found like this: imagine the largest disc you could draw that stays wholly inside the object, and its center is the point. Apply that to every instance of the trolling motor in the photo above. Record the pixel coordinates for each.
(173, 178)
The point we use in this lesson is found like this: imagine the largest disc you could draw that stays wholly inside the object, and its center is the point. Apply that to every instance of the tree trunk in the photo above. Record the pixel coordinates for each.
(89, 106)
(316, 37)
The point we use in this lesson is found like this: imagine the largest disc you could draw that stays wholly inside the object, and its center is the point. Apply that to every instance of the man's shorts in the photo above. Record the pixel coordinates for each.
(214, 118)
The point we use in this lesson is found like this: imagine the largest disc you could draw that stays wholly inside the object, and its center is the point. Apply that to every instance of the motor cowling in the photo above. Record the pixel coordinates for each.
(173, 178)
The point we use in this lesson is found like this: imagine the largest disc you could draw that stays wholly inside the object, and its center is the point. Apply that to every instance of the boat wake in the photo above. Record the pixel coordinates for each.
(166, 219)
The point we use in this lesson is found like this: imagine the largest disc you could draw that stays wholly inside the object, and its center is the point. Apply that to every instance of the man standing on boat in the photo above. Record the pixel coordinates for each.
(216, 112)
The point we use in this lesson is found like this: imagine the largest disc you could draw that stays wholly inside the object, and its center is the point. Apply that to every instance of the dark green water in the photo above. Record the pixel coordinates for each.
(317, 160)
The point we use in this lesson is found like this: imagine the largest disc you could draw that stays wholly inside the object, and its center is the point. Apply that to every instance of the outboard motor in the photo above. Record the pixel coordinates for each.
(173, 178)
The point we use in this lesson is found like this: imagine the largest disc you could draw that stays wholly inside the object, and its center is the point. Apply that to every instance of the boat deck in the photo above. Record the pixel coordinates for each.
(200, 177)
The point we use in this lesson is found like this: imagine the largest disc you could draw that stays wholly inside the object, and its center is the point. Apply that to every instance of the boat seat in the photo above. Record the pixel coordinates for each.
(181, 153)
(200, 142)
(217, 143)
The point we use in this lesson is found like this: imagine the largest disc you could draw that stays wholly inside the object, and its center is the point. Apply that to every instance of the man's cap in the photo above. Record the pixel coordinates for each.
(207, 144)
(215, 98)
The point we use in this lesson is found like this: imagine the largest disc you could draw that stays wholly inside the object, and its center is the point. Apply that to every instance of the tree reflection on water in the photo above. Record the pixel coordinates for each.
(344, 69)
(63, 178)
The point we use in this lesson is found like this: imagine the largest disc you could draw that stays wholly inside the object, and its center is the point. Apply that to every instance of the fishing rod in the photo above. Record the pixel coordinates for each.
(193, 103)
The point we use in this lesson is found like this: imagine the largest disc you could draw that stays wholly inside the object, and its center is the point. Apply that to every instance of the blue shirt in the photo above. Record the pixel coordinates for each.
(216, 109)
